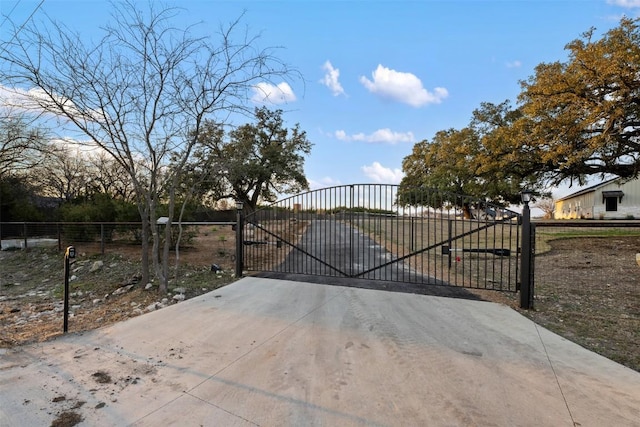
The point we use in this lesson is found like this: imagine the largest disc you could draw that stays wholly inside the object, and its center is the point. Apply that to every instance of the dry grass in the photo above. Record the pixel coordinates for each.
(31, 284)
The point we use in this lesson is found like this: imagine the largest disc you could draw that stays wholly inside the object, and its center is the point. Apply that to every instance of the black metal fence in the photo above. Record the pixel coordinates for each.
(378, 232)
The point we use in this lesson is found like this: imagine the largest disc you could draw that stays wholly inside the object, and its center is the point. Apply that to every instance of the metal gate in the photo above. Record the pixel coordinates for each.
(384, 232)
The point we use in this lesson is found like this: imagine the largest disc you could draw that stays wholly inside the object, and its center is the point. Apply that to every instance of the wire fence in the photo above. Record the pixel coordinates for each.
(548, 231)
(202, 243)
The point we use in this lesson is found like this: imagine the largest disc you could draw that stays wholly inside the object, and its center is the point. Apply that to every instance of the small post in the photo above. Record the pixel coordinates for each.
(239, 237)
(449, 241)
(69, 253)
(526, 297)
(102, 238)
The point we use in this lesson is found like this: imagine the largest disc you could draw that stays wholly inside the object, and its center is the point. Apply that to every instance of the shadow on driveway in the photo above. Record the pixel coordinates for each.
(438, 290)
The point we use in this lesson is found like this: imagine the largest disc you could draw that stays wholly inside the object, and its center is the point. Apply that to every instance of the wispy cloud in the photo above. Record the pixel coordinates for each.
(402, 87)
(380, 174)
(331, 79)
(36, 102)
(266, 93)
(386, 136)
(514, 64)
(625, 3)
(325, 182)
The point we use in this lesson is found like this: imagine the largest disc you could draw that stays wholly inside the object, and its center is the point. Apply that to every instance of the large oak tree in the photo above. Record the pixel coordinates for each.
(255, 162)
(581, 117)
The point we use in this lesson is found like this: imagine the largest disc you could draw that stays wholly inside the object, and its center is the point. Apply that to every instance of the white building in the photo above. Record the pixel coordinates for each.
(608, 200)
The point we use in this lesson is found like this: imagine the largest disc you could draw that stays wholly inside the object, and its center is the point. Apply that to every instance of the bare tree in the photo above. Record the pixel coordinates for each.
(20, 143)
(109, 177)
(141, 93)
(63, 173)
(546, 205)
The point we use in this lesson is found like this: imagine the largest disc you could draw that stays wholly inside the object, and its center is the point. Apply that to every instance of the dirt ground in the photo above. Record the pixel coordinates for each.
(587, 290)
(32, 285)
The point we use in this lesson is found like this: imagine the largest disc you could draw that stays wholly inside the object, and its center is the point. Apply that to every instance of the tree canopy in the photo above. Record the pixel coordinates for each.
(473, 161)
(582, 117)
(255, 162)
(574, 119)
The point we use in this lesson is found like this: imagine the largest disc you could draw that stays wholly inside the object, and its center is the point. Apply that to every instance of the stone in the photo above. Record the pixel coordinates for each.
(179, 290)
(179, 297)
(97, 266)
(148, 286)
(152, 307)
(122, 290)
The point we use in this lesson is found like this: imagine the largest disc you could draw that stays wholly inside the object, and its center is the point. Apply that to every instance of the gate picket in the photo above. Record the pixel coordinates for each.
(385, 232)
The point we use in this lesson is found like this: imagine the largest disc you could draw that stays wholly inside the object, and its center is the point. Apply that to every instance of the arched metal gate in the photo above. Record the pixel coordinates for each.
(383, 232)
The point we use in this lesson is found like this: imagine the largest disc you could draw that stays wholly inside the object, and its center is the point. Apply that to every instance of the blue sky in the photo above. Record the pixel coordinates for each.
(380, 76)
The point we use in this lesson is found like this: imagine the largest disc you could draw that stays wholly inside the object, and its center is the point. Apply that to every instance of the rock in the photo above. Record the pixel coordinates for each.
(148, 286)
(72, 278)
(179, 297)
(165, 301)
(179, 290)
(97, 301)
(152, 307)
(137, 312)
(97, 266)
(122, 290)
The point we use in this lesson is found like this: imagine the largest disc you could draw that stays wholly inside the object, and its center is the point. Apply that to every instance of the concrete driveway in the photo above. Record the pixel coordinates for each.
(273, 352)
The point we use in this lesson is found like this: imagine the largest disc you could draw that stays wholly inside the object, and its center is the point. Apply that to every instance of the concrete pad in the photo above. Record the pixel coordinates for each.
(275, 352)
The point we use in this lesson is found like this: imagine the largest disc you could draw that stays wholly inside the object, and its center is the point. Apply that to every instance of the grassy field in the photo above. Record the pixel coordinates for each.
(424, 242)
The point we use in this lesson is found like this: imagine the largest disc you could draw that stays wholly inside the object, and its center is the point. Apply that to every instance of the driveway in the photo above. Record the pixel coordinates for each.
(274, 352)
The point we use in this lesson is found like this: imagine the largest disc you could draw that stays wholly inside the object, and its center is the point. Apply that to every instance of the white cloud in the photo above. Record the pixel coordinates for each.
(625, 3)
(36, 102)
(266, 93)
(385, 135)
(381, 174)
(402, 87)
(325, 182)
(514, 64)
(330, 79)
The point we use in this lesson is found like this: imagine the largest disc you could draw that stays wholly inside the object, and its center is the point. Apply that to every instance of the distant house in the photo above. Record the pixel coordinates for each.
(608, 200)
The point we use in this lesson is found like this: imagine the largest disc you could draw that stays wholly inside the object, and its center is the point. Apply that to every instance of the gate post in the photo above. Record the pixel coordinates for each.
(526, 294)
(239, 236)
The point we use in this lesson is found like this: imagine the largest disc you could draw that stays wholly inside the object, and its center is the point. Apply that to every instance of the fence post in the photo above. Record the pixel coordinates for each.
(70, 253)
(101, 238)
(526, 294)
(239, 237)
(449, 241)
(25, 234)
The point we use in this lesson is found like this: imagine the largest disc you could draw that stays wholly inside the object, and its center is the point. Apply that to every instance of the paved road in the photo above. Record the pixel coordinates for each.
(279, 353)
(334, 248)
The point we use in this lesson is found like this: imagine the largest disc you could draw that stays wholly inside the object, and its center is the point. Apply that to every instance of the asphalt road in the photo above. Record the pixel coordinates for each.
(336, 253)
